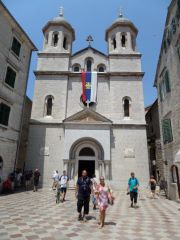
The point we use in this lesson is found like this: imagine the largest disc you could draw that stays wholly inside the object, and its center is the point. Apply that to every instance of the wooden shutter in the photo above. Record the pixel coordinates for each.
(167, 131)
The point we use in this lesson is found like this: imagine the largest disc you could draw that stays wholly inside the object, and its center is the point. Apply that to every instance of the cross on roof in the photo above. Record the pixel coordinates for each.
(89, 39)
(120, 15)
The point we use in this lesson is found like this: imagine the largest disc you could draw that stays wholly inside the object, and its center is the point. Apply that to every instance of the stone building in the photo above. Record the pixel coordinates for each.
(168, 86)
(156, 163)
(15, 55)
(20, 163)
(106, 137)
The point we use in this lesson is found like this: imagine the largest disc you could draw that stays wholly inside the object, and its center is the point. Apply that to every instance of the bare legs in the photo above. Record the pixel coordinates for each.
(102, 215)
(153, 194)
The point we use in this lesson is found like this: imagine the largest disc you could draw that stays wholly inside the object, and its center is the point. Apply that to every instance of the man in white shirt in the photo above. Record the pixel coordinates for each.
(63, 181)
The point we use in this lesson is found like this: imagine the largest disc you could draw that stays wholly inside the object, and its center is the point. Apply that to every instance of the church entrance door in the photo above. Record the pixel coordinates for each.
(89, 166)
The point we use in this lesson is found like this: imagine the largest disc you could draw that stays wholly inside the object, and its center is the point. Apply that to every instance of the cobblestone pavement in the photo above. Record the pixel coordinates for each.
(29, 215)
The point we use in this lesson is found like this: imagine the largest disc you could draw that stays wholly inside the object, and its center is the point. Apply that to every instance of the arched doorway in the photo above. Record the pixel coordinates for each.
(86, 161)
(86, 154)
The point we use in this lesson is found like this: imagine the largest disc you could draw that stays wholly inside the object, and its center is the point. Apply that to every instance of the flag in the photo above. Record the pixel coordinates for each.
(89, 86)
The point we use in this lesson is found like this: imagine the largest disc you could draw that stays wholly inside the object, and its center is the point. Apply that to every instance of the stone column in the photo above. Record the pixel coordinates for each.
(100, 167)
(72, 168)
(103, 169)
(66, 163)
(107, 169)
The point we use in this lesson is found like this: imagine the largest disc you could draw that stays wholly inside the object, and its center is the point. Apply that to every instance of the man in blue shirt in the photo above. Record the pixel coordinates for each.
(132, 189)
(83, 192)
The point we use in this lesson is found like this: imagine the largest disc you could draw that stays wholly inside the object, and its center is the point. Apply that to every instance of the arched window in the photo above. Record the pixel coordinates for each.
(123, 40)
(49, 104)
(55, 39)
(89, 65)
(65, 45)
(114, 43)
(76, 68)
(101, 68)
(86, 152)
(126, 106)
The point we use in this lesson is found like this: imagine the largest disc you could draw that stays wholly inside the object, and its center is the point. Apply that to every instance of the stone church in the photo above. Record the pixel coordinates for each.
(106, 137)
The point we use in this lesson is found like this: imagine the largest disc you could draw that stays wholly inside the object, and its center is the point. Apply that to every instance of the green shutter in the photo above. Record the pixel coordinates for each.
(167, 131)
(167, 82)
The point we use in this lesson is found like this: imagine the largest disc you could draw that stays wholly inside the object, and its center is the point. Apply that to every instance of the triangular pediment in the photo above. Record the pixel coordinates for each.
(91, 49)
(87, 116)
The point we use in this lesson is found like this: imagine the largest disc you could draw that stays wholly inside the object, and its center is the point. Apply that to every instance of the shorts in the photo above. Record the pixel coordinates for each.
(63, 190)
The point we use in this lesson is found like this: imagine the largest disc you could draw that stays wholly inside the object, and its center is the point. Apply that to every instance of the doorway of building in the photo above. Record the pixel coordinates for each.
(88, 165)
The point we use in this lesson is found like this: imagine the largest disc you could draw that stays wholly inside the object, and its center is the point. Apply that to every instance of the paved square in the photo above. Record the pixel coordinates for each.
(29, 216)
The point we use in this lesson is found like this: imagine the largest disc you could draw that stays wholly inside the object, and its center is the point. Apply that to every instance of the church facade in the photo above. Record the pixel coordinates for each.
(106, 137)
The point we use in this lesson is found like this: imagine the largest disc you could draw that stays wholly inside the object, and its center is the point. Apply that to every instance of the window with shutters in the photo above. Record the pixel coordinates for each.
(4, 114)
(167, 131)
(10, 77)
(164, 86)
(16, 46)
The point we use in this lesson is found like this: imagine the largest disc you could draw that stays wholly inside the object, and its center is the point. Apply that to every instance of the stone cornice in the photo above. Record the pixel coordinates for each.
(136, 54)
(73, 74)
(88, 123)
(113, 125)
(132, 125)
(53, 54)
(41, 122)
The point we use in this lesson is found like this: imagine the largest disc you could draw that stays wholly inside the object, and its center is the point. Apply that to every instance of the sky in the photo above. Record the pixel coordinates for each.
(93, 17)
